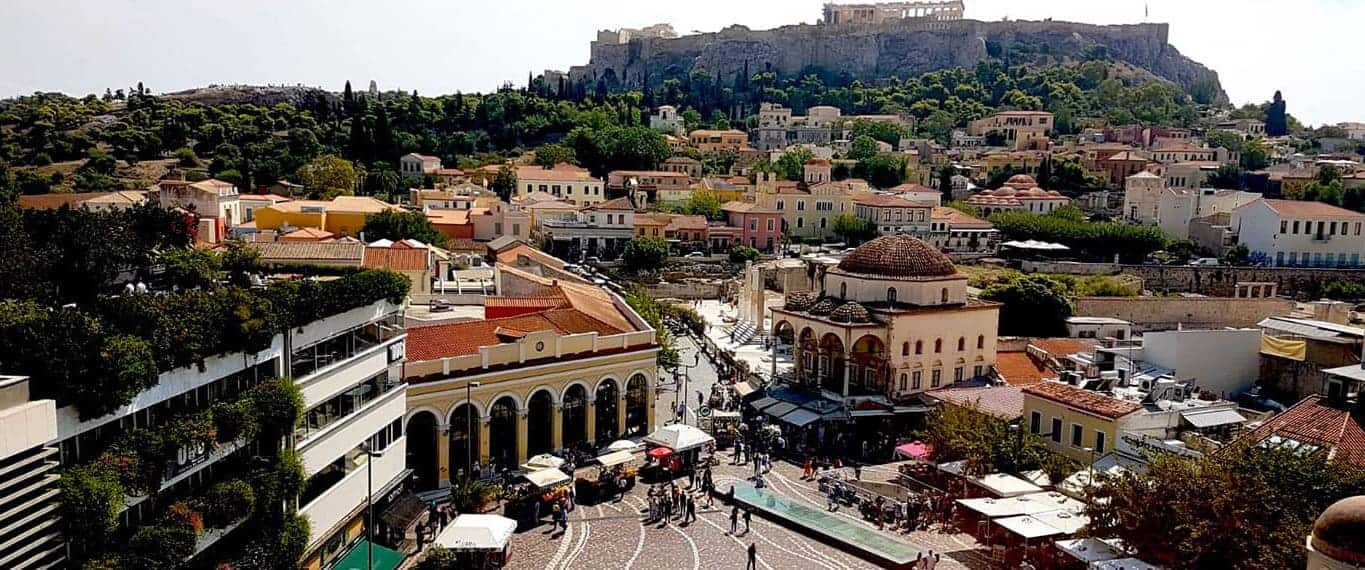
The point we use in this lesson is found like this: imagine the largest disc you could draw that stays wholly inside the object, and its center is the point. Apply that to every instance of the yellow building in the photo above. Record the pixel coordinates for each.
(651, 225)
(717, 141)
(342, 216)
(1080, 424)
(558, 365)
(808, 208)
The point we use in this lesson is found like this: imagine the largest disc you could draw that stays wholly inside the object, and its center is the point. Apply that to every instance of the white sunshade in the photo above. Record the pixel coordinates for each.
(623, 445)
(1066, 521)
(679, 437)
(999, 484)
(547, 477)
(1090, 549)
(615, 458)
(1123, 564)
(800, 417)
(1023, 505)
(543, 461)
(477, 532)
(1027, 527)
(1210, 418)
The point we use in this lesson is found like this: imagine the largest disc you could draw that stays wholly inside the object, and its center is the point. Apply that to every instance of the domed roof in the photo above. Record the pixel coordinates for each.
(1340, 530)
(1022, 181)
(850, 312)
(822, 307)
(898, 256)
(799, 301)
(817, 162)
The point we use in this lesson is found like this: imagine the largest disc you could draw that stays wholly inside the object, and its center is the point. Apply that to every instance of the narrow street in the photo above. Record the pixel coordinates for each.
(696, 374)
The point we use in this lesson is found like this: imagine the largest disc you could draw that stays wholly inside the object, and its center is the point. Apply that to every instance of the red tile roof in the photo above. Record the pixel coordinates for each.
(562, 172)
(1062, 347)
(395, 258)
(1087, 401)
(1313, 421)
(957, 218)
(1307, 209)
(1006, 402)
(1017, 368)
(613, 204)
(884, 201)
(459, 339)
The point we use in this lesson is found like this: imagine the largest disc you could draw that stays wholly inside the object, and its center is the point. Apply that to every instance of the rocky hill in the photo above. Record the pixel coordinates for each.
(902, 48)
(299, 95)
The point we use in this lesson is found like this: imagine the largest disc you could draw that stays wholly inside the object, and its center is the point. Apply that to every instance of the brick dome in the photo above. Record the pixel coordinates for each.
(1021, 181)
(799, 301)
(823, 307)
(1340, 530)
(898, 256)
(850, 312)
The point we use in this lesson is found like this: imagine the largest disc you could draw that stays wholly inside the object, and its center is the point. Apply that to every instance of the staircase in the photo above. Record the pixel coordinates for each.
(744, 332)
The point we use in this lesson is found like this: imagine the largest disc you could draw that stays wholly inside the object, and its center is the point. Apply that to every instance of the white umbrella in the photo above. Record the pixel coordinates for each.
(477, 532)
(543, 461)
(623, 445)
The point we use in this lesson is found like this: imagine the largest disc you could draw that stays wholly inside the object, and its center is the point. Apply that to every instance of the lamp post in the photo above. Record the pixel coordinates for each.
(469, 428)
(369, 502)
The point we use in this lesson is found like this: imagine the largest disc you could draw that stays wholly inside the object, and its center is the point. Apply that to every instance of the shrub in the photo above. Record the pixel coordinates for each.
(1033, 305)
(157, 546)
(438, 558)
(192, 268)
(234, 420)
(180, 513)
(277, 403)
(92, 499)
(643, 253)
(227, 502)
(743, 253)
(1099, 240)
(127, 367)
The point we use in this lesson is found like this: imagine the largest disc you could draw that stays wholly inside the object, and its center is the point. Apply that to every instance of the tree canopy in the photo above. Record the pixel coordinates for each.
(401, 224)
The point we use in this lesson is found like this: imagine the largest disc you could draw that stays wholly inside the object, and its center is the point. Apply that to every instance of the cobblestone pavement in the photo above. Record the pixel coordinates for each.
(612, 536)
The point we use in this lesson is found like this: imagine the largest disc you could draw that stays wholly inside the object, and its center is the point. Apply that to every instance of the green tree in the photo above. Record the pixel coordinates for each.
(852, 229)
(192, 268)
(792, 164)
(881, 171)
(743, 253)
(92, 499)
(327, 177)
(1032, 305)
(939, 126)
(704, 203)
(645, 253)
(398, 225)
(552, 154)
(862, 148)
(945, 183)
(1228, 176)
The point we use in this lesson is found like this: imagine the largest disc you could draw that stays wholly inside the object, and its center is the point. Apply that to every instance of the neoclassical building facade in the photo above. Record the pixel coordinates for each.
(892, 319)
(572, 367)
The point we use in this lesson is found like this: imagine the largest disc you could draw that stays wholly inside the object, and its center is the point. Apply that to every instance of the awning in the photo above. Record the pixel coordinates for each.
(362, 553)
(404, 511)
(745, 388)
(763, 402)
(547, 478)
(1293, 349)
(1027, 527)
(615, 458)
(779, 409)
(800, 417)
(477, 532)
(915, 450)
(1210, 418)
(868, 413)
(1065, 521)
(1090, 549)
(1123, 564)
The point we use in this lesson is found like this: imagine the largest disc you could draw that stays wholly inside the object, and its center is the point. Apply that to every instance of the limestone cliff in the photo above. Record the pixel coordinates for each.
(902, 48)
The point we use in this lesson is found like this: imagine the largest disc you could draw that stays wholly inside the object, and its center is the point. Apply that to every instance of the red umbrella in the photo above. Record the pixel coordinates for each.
(660, 452)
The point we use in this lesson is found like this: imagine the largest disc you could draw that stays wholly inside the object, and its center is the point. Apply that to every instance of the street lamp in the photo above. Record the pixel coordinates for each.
(469, 428)
(369, 502)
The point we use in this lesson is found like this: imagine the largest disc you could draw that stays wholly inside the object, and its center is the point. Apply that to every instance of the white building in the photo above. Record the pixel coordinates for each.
(666, 118)
(30, 527)
(1292, 233)
(1141, 194)
(413, 165)
(214, 201)
(1098, 327)
(1186, 356)
(1177, 206)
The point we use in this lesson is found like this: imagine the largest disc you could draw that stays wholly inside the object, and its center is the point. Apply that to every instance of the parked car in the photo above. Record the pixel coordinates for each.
(1256, 400)
(1205, 262)
(694, 255)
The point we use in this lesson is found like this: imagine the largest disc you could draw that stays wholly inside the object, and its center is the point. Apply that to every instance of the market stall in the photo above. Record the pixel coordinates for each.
(478, 541)
(995, 484)
(1123, 564)
(1081, 552)
(532, 495)
(722, 425)
(675, 449)
(542, 461)
(615, 475)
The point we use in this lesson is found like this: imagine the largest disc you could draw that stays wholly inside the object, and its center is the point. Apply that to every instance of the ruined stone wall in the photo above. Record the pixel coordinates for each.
(1168, 313)
(1216, 281)
(902, 48)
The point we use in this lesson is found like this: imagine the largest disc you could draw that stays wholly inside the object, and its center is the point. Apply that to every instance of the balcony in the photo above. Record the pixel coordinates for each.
(321, 447)
(343, 371)
(337, 503)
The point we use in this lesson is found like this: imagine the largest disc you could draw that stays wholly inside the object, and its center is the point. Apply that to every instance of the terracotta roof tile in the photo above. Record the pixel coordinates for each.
(1307, 209)
(1006, 402)
(1313, 421)
(1017, 368)
(458, 339)
(1062, 347)
(957, 218)
(1085, 400)
(56, 200)
(562, 172)
(336, 251)
(613, 204)
(395, 258)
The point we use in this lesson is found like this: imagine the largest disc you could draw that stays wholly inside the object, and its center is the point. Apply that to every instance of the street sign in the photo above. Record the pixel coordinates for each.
(704, 411)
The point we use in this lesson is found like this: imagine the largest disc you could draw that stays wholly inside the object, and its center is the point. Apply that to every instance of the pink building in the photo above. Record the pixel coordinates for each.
(760, 228)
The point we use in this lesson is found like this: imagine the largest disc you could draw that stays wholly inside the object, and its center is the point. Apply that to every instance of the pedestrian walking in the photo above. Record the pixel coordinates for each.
(570, 496)
(831, 502)
(734, 519)
(535, 513)
(748, 514)
(753, 557)
(808, 470)
(691, 510)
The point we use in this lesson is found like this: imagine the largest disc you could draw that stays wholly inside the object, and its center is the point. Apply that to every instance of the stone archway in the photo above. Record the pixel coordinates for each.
(540, 423)
(502, 433)
(574, 417)
(422, 434)
(832, 363)
(637, 413)
(605, 420)
(869, 366)
(807, 355)
(463, 439)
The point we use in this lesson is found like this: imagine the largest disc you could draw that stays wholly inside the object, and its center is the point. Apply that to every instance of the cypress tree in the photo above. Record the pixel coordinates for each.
(384, 146)
(348, 98)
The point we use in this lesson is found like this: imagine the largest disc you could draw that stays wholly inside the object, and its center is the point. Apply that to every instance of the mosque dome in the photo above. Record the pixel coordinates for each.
(898, 256)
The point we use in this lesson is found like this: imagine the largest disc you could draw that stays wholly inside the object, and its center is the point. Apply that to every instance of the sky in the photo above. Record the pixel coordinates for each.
(1304, 48)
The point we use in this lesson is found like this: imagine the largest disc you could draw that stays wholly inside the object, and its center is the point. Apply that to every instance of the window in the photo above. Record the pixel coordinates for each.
(919, 347)
(800, 222)
(944, 295)
(976, 371)
(936, 378)
(938, 345)
(915, 379)
(957, 374)
(800, 205)
(980, 342)
(902, 381)
(905, 349)
(1056, 434)
(1296, 226)
(891, 294)
(1035, 422)
(1099, 442)
(1077, 435)
(843, 290)
(822, 223)
(1284, 225)
(770, 224)
(753, 225)
(781, 205)
(961, 344)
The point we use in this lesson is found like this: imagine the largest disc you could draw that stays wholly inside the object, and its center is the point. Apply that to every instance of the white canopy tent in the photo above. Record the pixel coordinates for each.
(1123, 564)
(543, 461)
(1091, 549)
(545, 478)
(477, 532)
(998, 484)
(1027, 527)
(679, 437)
(623, 445)
(1066, 521)
(615, 458)
(1029, 504)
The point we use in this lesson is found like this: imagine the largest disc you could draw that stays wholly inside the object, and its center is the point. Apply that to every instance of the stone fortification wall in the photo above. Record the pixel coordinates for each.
(1217, 281)
(1168, 313)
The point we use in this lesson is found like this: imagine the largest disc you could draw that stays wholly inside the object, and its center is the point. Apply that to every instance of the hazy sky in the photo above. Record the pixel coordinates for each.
(1306, 48)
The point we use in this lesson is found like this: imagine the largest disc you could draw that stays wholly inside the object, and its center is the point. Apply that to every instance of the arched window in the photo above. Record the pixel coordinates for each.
(981, 341)
(961, 343)
(903, 378)
(938, 345)
(919, 347)
(905, 349)
(945, 295)
(843, 290)
(891, 294)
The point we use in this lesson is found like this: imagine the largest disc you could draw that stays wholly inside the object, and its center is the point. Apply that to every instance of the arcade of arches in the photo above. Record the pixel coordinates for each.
(504, 423)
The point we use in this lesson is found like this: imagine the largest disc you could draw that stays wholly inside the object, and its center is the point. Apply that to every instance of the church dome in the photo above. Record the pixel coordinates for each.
(850, 312)
(799, 301)
(1021, 181)
(1340, 530)
(823, 307)
(898, 256)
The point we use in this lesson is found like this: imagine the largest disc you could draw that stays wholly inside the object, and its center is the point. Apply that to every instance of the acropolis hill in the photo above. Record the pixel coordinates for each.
(871, 41)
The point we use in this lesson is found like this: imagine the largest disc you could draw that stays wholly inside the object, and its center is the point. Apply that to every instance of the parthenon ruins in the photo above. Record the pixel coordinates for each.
(882, 12)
